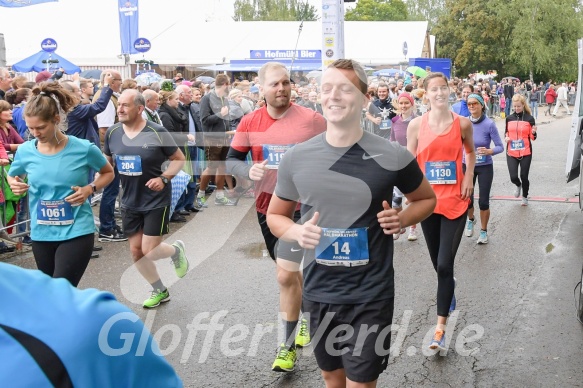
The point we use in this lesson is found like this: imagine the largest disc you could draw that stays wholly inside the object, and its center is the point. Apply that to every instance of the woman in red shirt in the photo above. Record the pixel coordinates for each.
(519, 134)
(439, 139)
(550, 98)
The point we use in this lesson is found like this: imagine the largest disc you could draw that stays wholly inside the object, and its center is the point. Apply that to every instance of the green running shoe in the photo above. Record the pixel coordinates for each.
(181, 262)
(224, 201)
(285, 360)
(201, 202)
(303, 337)
(156, 298)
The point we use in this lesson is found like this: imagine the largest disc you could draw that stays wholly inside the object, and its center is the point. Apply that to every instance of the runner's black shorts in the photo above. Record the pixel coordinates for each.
(364, 356)
(285, 250)
(152, 222)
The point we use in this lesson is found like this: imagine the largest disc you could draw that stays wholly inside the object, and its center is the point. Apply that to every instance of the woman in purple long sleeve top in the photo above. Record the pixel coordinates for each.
(485, 132)
(405, 105)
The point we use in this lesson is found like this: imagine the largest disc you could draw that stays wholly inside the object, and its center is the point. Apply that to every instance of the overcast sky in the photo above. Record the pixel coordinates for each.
(91, 22)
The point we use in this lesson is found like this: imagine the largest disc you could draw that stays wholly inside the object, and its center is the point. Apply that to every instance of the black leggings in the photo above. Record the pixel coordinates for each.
(64, 259)
(443, 237)
(524, 164)
(485, 175)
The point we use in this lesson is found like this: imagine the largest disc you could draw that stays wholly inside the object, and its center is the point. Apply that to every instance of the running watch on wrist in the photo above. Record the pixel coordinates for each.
(93, 187)
(164, 179)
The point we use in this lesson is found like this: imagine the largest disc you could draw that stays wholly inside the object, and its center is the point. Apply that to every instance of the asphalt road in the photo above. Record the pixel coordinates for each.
(515, 324)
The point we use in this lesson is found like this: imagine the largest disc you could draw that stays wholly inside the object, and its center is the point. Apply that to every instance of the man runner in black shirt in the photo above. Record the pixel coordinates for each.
(140, 148)
(344, 180)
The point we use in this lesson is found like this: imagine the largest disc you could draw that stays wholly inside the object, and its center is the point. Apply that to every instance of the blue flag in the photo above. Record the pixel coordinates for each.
(23, 3)
(128, 25)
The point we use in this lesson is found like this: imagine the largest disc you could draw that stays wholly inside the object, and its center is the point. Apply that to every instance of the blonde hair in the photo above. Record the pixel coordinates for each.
(166, 95)
(520, 98)
(270, 66)
(234, 93)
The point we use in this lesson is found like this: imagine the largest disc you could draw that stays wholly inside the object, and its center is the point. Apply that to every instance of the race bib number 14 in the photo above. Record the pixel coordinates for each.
(345, 247)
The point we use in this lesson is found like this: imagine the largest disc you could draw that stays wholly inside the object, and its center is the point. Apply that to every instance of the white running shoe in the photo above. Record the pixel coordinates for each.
(397, 235)
(483, 239)
(412, 234)
(469, 228)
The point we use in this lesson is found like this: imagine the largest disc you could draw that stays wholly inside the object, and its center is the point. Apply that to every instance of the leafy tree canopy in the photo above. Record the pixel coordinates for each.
(274, 10)
(524, 38)
(378, 10)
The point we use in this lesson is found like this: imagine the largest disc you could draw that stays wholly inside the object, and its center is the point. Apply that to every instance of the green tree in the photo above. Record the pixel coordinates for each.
(429, 10)
(524, 38)
(544, 38)
(469, 33)
(274, 10)
(378, 10)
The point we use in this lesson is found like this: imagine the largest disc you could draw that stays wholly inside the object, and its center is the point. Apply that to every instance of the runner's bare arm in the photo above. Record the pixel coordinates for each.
(412, 133)
(176, 163)
(422, 202)
(280, 221)
(80, 194)
(468, 141)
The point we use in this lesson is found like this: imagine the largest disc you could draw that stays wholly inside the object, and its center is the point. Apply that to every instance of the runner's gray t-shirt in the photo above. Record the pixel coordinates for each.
(347, 187)
(138, 160)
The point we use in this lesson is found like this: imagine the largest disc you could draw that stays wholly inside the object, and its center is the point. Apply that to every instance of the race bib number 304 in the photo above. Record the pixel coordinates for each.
(441, 173)
(345, 247)
(56, 212)
(273, 153)
(130, 165)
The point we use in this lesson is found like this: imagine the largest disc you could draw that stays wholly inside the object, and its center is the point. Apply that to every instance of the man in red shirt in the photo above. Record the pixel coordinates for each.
(269, 132)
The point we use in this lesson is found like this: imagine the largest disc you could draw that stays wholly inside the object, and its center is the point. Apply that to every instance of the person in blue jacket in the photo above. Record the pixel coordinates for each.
(81, 120)
(57, 166)
(461, 107)
(54, 335)
(485, 133)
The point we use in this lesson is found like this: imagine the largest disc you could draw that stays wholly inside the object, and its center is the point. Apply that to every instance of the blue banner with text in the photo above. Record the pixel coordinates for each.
(128, 25)
(23, 3)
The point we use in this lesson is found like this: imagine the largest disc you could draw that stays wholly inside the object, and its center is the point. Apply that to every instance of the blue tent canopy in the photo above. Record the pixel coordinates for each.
(35, 63)
(387, 72)
(255, 64)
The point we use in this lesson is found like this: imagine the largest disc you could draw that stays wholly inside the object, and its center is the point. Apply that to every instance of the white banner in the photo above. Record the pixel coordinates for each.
(332, 31)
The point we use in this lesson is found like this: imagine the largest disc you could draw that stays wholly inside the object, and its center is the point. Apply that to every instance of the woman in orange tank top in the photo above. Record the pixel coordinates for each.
(438, 139)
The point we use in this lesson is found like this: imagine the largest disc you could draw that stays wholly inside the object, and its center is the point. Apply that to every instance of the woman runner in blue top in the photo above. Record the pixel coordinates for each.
(485, 132)
(57, 166)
